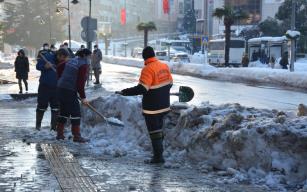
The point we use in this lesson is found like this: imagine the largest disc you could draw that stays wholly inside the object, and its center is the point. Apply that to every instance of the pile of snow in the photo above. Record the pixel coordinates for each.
(301, 65)
(271, 39)
(277, 76)
(293, 34)
(198, 58)
(243, 144)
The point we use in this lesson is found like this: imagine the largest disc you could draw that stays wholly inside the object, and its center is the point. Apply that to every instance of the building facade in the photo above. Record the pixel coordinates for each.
(108, 13)
(258, 11)
(270, 8)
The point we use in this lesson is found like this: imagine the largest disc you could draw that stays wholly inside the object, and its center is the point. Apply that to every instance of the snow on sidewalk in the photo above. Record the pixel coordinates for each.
(280, 77)
(238, 143)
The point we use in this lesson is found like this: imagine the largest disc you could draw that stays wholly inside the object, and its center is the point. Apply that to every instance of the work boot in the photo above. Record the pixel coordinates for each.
(39, 118)
(75, 129)
(60, 131)
(157, 146)
(54, 117)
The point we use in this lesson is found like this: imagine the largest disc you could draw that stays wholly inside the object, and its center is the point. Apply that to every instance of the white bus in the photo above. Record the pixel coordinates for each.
(216, 52)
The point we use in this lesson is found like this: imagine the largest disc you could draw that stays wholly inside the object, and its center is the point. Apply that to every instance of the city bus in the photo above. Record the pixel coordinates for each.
(216, 52)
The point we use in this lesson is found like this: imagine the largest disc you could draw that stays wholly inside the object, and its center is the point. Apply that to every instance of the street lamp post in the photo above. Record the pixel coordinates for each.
(69, 25)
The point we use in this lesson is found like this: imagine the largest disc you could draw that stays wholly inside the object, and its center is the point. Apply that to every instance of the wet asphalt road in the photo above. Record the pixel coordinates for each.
(116, 77)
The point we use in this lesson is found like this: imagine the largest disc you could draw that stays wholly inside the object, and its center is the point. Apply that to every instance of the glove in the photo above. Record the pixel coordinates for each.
(119, 92)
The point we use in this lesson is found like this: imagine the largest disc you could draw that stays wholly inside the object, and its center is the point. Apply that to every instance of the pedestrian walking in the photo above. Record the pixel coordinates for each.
(254, 56)
(72, 76)
(46, 64)
(71, 53)
(245, 60)
(284, 62)
(272, 62)
(22, 69)
(155, 84)
(96, 66)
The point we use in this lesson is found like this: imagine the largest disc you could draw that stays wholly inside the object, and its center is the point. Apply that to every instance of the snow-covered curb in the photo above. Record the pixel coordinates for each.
(246, 75)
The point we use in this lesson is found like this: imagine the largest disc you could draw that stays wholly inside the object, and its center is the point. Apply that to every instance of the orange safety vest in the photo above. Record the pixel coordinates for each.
(157, 79)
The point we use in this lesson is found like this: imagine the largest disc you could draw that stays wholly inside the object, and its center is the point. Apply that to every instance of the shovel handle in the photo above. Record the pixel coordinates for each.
(175, 94)
(97, 112)
(44, 58)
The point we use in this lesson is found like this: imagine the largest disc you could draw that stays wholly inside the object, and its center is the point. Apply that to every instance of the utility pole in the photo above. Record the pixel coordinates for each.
(69, 26)
(293, 41)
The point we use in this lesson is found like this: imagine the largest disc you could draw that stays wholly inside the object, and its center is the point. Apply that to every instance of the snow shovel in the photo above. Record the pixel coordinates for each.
(111, 121)
(4, 81)
(185, 94)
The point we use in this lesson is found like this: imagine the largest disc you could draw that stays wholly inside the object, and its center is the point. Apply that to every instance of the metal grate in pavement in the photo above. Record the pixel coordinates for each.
(67, 170)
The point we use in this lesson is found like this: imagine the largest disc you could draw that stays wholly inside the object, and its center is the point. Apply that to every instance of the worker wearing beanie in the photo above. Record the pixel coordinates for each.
(154, 84)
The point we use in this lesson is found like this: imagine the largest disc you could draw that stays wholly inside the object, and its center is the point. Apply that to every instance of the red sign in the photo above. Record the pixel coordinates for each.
(123, 16)
(166, 6)
(11, 30)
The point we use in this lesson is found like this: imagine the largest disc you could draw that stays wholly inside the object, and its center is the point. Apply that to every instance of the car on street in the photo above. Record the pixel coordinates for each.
(162, 55)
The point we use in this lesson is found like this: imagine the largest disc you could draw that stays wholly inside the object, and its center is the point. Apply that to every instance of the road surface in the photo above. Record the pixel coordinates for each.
(116, 77)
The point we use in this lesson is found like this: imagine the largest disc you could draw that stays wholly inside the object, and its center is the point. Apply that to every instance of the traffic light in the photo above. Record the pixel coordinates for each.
(89, 26)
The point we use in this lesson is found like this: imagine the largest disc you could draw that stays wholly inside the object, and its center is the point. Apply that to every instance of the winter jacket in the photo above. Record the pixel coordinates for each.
(245, 61)
(48, 76)
(73, 75)
(22, 67)
(284, 62)
(96, 59)
(71, 53)
(155, 84)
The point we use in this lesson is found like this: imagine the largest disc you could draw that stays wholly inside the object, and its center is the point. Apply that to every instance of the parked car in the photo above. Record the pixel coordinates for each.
(137, 52)
(181, 58)
(162, 55)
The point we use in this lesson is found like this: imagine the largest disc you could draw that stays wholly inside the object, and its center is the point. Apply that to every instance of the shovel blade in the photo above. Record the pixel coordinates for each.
(186, 94)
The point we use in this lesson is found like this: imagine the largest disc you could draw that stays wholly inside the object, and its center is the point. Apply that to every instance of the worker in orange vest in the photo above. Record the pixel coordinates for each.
(154, 84)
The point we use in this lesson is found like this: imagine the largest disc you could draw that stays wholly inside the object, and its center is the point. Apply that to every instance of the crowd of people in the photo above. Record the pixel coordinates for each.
(265, 59)
(62, 88)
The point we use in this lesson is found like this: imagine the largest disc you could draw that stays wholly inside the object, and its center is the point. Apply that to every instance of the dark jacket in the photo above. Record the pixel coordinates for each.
(48, 76)
(71, 53)
(96, 59)
(284, 62)
(245, 61)
(22, 67)
(73, 75)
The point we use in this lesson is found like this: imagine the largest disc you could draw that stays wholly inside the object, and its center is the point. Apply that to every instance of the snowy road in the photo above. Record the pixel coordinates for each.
(115, 77)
